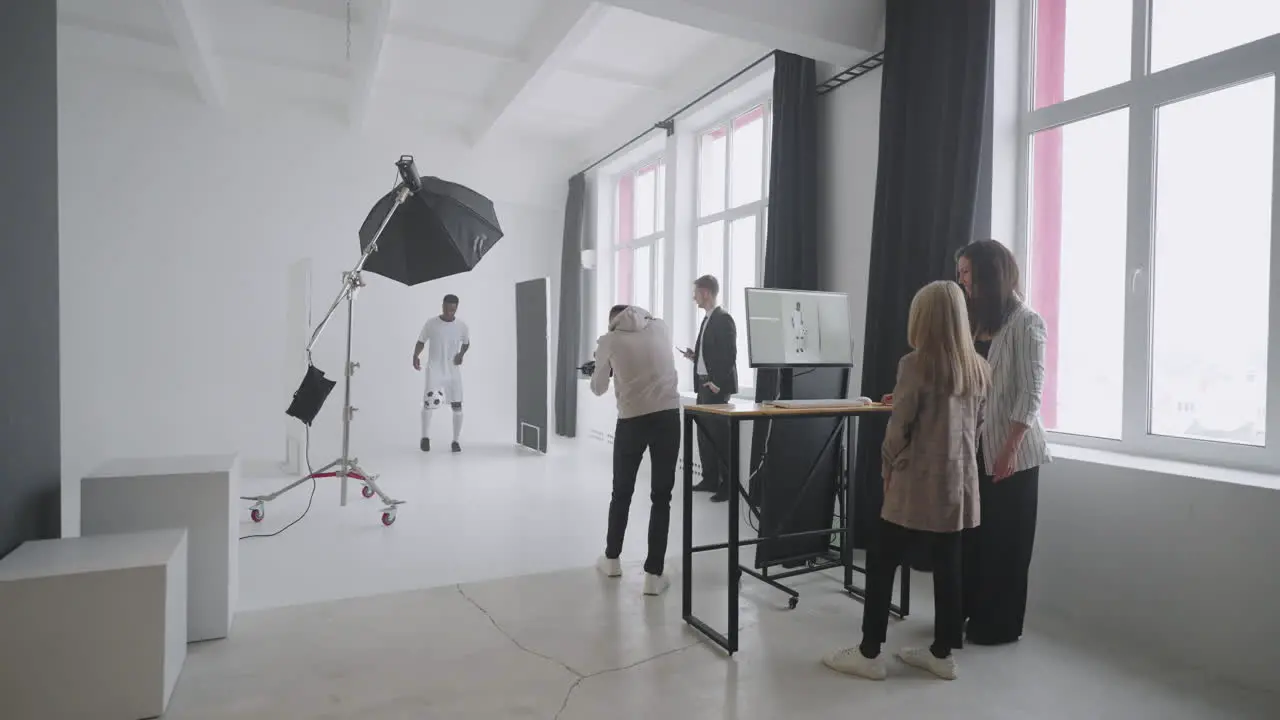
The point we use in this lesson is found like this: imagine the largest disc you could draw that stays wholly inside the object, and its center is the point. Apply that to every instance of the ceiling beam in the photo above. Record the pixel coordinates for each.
(840, 32)
(191, 35)
(373, 33)
(560, 29)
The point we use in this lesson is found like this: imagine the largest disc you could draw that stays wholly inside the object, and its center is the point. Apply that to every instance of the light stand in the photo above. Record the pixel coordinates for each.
(345, 466)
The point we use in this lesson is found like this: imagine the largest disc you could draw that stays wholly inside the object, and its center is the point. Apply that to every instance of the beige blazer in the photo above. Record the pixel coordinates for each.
(930, 456)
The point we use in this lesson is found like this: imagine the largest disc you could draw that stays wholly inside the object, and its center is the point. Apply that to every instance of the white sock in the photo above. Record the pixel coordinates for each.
(457, 425)
(426, 421)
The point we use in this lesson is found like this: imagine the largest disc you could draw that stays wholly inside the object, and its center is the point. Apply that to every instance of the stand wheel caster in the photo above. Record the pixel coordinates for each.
(388, 518)
(792, 603)
(256, 515)
(366, 491)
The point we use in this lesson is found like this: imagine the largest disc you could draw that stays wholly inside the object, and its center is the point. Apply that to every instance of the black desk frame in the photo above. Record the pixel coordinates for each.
(847, 426)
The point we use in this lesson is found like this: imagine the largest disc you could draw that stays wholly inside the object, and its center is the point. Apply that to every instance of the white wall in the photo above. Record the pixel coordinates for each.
(1175, 565)
(848, 145)
(179, 226)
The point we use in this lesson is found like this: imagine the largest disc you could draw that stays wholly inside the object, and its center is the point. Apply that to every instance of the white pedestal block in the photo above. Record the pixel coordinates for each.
(194, 492)
(93, 627)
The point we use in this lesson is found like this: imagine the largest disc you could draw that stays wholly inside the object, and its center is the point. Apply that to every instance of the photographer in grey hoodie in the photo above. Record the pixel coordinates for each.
(637, 353)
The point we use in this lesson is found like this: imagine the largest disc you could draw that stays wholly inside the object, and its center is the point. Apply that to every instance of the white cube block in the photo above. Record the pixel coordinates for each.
(197, 492)
(93, 627)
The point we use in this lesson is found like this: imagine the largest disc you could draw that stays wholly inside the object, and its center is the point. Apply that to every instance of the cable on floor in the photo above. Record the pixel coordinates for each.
(312, 474)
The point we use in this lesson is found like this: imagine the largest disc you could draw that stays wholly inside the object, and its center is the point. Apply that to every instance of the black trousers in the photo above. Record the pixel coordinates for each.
(713, 440)
(659, 433)
(888, 551)
(997, 557)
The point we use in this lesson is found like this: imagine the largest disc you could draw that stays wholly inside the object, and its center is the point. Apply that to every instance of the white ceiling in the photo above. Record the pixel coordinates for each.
(557, 70)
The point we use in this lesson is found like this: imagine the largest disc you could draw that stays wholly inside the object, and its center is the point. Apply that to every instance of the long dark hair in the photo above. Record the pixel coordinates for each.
(997, 288)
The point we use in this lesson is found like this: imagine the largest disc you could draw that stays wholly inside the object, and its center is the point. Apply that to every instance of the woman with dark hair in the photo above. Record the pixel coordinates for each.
(1011, 444)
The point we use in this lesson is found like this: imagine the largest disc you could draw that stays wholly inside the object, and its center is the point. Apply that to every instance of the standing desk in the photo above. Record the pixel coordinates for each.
(732, 414)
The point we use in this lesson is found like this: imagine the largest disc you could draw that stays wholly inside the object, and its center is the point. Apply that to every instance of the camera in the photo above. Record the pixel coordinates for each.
(588, 369)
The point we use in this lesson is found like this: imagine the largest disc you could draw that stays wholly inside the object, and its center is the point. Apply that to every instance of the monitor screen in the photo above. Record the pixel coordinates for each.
(797, 328)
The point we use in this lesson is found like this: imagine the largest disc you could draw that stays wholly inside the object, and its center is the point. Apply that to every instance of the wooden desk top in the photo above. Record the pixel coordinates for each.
(747, 409)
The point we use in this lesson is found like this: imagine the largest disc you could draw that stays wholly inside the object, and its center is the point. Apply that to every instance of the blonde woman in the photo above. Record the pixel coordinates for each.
(930, 469)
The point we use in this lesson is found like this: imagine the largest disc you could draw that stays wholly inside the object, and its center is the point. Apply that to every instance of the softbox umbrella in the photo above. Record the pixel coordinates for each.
(441, 229)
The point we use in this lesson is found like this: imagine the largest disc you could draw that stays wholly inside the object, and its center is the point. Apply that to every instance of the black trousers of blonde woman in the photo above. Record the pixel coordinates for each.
(996, 557)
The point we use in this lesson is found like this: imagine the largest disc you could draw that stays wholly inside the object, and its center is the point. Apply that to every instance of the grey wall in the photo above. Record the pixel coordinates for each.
(1181, 566)
(30, 450)
(848, 145)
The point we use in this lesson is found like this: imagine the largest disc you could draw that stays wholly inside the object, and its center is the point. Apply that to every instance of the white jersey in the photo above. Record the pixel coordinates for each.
(443, 341)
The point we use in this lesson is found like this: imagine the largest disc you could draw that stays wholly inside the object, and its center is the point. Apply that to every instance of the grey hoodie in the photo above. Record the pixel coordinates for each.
(637, 350)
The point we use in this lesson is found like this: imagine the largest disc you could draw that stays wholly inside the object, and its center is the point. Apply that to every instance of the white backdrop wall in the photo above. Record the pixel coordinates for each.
(179, 227)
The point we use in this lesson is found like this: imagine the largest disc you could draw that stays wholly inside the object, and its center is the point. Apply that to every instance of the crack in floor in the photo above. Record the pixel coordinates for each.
(580, 676)
(569, 695)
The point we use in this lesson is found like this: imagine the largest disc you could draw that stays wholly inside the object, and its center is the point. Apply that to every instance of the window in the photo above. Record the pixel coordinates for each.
(1183, 31)
(1148, 223)
(1082, 46)
(732, 194)
(1212, 264)
(639, 232)
(1076, 264)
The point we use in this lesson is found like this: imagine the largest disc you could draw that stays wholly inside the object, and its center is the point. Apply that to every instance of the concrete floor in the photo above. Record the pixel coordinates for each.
(493, 511)
(335, 621)
(573, 645)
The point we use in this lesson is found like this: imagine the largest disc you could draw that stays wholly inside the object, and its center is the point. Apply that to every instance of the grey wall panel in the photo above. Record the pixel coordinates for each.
(30, 427)
(532, 352)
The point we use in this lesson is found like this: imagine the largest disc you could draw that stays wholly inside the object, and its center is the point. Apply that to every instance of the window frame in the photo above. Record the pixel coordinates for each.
(1144, 93)
(654, 240)
(757, 208)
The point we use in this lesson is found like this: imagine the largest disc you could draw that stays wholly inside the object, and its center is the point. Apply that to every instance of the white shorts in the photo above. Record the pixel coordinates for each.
(443, 386)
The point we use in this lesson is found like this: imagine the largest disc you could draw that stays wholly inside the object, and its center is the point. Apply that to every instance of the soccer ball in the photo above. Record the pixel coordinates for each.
(434, 399)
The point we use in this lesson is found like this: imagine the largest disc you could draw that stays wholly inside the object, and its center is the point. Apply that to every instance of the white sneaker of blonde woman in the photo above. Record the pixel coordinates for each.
(923, 659)
(609, 567)
(655, 584)
(851, 661)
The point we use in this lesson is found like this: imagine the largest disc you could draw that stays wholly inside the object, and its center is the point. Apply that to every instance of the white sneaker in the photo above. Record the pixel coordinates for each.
(656, 584)
(851, 661)
(609, 567)
(923, 659)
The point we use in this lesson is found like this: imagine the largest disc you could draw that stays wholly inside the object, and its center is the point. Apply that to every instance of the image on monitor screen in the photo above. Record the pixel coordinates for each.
(797, 328)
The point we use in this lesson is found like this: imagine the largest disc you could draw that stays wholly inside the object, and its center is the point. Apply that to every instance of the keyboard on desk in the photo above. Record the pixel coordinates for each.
(820, 403)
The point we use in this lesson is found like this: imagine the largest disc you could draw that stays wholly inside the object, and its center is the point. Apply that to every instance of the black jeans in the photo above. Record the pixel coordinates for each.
(659, 433)
(713, 440)
(887, 553)
(997, 556)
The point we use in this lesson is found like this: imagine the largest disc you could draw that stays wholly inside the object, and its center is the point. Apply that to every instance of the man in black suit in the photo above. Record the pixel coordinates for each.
(715, 361)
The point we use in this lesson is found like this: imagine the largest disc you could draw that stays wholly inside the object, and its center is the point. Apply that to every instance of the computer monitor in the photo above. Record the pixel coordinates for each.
(798, 328)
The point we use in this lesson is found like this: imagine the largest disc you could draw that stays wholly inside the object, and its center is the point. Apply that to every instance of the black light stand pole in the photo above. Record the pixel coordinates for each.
(346, 467)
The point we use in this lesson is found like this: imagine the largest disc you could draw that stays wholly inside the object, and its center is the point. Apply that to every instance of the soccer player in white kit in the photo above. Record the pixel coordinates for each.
(446, 340)
(800, 334)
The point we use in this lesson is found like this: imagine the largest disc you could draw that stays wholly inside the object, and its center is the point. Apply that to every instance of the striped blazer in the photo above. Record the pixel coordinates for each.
(1017, 383)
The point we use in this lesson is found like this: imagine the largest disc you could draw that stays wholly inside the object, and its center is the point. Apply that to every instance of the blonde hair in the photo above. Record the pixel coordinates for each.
(938, 330)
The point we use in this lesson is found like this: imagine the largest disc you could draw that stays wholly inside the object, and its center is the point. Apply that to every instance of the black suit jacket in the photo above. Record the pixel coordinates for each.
(718, 346)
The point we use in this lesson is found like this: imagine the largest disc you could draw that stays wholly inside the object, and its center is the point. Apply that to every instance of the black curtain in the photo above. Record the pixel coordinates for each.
(791, 236)
(933, 103)
(570, 324)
